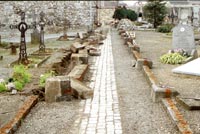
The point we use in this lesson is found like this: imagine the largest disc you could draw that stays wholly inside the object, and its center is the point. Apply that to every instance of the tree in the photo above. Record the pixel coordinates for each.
(122, 12)
(155, 12)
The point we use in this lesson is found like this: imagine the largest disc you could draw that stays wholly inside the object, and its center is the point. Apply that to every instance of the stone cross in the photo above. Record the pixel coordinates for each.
(66, 24)
(22, 27)
(42, 24)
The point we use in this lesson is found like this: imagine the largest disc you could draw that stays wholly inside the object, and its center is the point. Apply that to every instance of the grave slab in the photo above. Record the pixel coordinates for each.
(190, 103)
(190, 68)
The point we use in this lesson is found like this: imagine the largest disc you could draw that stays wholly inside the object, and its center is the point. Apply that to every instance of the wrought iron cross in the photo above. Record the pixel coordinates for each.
(22, 27)
(42, 24)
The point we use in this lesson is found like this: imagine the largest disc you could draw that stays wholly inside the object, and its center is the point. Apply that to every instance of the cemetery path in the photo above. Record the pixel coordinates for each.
(101, 114)
(138, 113)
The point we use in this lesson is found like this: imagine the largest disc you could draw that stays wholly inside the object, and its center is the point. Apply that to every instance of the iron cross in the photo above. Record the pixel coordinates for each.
(22, 27)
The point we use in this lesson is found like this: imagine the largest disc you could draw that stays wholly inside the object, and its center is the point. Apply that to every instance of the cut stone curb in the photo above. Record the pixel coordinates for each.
(13, 125)
(189, 103)
(80, 89)
(176, 116)
(157, 92)
(136, 55)
(78, 71)
(76, 46)
(80, 57)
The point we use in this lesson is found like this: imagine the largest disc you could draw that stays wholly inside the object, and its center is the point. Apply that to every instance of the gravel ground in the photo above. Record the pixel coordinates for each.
(139, 114)
(153, 45)
(9, 104)
(54, 118)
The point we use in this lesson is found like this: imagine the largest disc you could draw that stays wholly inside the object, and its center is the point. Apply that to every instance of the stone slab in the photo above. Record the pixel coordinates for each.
(80, 58)
(80, 89)
(190, 103)
(78, 71)
(76, 46)
(190, 68)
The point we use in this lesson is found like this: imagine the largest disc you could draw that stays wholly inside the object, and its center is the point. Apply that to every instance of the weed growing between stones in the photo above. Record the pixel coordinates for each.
(43, 78)
(21, 76)
(3, 87)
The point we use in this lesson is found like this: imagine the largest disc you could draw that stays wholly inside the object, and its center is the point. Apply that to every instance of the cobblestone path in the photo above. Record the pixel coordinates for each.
(101, 114)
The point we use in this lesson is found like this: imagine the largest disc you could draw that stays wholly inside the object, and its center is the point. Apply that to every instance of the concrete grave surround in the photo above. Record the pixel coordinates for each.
(183, 37)
(191, 68)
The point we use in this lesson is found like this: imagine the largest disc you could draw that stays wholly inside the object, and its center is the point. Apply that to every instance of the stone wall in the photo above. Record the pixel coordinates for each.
(79, 13)
(105, 15)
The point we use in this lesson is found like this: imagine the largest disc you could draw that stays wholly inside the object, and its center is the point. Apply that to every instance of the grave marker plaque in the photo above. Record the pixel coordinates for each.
(183, 38)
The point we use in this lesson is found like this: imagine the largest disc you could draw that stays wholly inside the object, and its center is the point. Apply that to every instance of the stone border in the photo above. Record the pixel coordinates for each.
(159, 93)
(157, 90)
(176, 116)
(40, 63)
(13, 125)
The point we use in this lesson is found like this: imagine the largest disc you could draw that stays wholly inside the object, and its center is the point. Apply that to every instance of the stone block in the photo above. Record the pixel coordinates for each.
(194, 54)
(157, 93)
(136, 55)
(190, 103)
(78, 71)
(151, 79)
(81, 58)
(94, 52)
(55, 87)
(80, 89)
(76, 46)
(83, 51)
(136, 48)
(145, 62)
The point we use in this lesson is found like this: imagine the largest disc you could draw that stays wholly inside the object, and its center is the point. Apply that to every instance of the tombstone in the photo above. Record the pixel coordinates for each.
(66, 25)
(13, 49)
(42, 24)
(183, 38)
(35, 35)
(22, 27)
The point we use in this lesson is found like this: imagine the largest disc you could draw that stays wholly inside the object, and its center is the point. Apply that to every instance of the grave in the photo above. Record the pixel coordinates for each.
(183, 38)
(35, 35)
(190, 68)
(42, 24)
(22, 27)
(190, 103)
(13, 49)
(66, 25)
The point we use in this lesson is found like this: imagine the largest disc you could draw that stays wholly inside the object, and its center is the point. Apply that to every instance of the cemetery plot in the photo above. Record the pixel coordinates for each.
(153, 45)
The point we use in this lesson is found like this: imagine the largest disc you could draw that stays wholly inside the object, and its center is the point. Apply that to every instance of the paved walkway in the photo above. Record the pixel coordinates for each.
(101, 114)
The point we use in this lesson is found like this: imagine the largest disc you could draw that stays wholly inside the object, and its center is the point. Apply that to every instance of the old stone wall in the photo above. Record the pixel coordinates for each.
(105, 15)
(80, 13)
